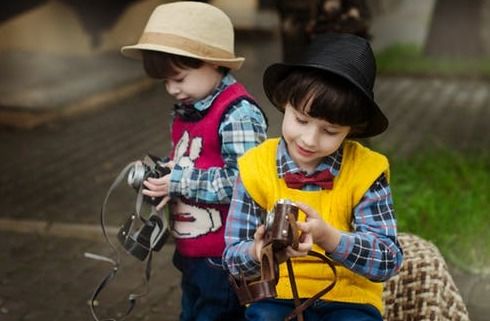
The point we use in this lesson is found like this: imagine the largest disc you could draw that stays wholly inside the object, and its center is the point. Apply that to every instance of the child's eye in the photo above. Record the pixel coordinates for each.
(301, 121)
(177, 78)
(329, 132)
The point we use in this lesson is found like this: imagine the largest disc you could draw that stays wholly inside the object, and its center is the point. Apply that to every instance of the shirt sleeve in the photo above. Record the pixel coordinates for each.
(372, 249)
(243, 127)
(243, 219)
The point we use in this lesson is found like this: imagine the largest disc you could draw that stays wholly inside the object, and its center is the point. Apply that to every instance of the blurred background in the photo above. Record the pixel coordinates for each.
(74, 112)
(44, 42)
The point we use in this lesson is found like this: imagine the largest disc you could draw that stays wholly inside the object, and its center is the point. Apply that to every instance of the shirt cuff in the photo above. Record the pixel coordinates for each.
(248, 257)
(252, 267)
(175, 181)
(344, 248)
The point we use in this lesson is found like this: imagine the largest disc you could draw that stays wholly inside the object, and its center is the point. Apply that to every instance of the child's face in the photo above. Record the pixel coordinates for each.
(190, 85)
(310, 139)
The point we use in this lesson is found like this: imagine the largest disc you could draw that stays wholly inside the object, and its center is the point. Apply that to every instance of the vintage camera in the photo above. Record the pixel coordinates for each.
(140, 236)
(280, 227)
(151, 166)
(280, 232)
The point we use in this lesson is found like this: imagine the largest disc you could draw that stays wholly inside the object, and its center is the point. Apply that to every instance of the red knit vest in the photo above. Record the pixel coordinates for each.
(199, 227)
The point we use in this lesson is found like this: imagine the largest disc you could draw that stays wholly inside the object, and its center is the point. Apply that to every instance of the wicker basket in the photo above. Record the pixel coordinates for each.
(424, 289)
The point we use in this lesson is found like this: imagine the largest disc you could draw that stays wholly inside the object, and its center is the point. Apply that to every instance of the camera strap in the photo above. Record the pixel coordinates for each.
(301, 306)
(115, 262)
(249, 291)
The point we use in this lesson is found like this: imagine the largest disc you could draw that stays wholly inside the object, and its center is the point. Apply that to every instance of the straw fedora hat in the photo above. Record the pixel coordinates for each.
(345, 55)
(191, 29)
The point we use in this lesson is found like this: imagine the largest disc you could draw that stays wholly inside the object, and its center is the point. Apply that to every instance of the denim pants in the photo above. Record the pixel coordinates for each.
(277, 310)
(206, 292)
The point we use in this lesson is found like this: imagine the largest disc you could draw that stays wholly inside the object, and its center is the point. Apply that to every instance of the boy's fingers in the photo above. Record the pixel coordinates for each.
(258, 242)
(259, 233)
(306, 238)
(148, 192)
(302, 226)
(301, 251)
(170, 164)
(307, 209)
(163, 202)
(150, 184)
(154, 180)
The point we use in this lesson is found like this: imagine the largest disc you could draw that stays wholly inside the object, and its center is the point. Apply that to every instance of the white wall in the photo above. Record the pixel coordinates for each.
(406, 22)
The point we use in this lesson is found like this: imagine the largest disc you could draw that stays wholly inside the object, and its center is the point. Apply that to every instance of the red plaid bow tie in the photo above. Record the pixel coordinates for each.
(324, 179)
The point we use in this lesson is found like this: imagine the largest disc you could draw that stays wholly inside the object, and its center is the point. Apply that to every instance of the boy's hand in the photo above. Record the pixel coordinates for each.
(305, 244)
(258, 242)
(322, 233)
(159, 187)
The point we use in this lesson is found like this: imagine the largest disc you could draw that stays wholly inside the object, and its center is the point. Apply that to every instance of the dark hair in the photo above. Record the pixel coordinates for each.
(323, 95)
(160, 65)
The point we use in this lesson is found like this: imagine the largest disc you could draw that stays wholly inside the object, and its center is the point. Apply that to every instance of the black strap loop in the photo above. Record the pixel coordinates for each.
(156, 218)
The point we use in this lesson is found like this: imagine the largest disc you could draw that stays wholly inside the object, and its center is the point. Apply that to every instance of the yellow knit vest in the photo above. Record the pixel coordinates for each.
(360, 168)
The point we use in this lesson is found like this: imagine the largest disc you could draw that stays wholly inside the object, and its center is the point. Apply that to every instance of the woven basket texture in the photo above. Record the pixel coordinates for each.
(424, 288)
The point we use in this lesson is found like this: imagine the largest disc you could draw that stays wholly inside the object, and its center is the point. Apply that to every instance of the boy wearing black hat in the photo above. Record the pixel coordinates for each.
(341, 187)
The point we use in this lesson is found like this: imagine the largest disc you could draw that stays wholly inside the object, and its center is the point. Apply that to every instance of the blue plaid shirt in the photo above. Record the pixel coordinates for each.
(243, 127)
(371, 250)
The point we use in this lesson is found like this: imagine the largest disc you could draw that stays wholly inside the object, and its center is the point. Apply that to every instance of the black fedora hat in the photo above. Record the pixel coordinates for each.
(345, 55)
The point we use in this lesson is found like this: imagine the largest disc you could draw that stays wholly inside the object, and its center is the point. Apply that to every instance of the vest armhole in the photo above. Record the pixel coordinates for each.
(373, 165)
(234, 102)
(235, 93)
(251, 168)
(249, 177)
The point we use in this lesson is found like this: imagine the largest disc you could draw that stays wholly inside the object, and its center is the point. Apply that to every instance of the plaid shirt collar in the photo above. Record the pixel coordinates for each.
(285, 163)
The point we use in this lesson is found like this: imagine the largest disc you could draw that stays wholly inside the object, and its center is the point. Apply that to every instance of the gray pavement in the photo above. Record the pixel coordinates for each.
(55, 175)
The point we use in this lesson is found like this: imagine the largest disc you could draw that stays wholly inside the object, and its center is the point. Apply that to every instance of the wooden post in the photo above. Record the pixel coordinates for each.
(294, 18)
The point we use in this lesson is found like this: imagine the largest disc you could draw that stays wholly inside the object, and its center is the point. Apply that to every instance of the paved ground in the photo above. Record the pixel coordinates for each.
(54, 178)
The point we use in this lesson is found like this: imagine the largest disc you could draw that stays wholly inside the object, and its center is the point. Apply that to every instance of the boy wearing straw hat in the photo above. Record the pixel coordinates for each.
(340, 187)
(190, 46)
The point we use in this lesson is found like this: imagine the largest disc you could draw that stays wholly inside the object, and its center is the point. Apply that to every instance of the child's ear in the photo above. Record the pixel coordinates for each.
(222, 70)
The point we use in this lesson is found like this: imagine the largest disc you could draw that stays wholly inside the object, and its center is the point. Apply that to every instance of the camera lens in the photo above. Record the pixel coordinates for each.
(269, 221)
(136, 175)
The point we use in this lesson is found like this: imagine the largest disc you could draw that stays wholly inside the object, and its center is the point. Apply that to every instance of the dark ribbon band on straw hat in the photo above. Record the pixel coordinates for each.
(190, 45)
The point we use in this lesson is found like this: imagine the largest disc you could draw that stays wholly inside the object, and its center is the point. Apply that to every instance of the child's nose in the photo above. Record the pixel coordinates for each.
(310, 136)
(172, 88)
